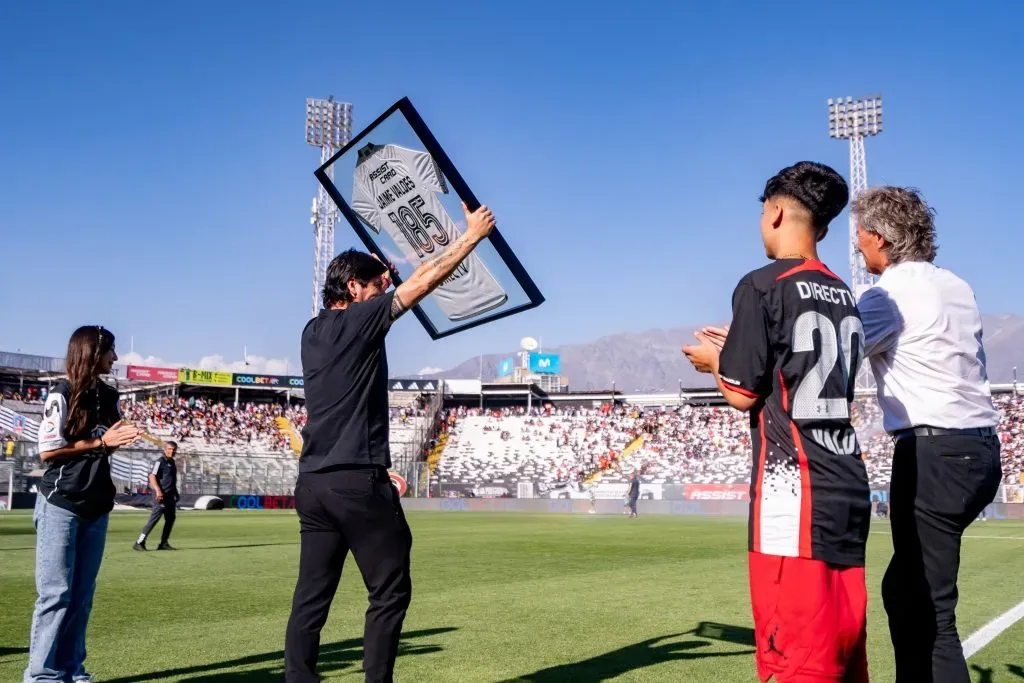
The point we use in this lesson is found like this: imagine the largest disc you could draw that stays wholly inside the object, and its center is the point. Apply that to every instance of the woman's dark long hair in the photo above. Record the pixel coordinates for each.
(86, 348)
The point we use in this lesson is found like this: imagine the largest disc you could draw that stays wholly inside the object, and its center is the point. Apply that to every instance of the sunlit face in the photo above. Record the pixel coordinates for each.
(169, 451)
(107, 361)
(870, 244)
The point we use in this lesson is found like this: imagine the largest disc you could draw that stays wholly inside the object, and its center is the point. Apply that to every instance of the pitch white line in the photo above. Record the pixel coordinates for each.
(1001, 538)
(990, 631)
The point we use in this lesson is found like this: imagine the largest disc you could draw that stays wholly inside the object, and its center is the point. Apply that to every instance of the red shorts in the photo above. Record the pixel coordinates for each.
(809, 620)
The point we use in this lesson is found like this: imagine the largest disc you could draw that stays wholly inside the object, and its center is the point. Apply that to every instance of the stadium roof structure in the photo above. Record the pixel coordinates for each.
(29, 364)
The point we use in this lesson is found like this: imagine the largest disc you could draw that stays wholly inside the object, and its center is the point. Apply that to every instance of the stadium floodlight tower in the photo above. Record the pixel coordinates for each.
(854, 120)
(329, 127)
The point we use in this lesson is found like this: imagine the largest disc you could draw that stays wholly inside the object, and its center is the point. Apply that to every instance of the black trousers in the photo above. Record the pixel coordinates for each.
(357, 510)
(939, 485)
(166, 510)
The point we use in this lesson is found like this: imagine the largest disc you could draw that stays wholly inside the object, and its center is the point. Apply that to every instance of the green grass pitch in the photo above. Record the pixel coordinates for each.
(496, 597)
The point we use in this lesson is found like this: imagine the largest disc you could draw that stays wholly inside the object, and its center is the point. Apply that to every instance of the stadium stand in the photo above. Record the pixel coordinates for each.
(1011, 433)
(547, 446)
(16, 425)
(691, 444)
(202, 426)
(252, 429)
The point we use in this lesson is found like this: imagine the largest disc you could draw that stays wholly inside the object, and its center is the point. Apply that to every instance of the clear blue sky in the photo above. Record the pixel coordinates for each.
(154, 177)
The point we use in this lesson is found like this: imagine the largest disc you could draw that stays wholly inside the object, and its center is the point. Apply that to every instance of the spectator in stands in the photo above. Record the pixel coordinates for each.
(81, 427)
(343, 496)
(922, 334)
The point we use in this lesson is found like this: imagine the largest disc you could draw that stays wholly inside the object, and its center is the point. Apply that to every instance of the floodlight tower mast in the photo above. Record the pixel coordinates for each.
(854, 120)
(329, 127)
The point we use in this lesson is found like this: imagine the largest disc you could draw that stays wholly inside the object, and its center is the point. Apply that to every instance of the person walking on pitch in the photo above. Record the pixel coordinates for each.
(163, 480)
(633, 494)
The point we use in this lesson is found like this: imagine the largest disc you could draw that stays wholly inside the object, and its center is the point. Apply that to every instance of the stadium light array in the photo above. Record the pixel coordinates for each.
(854, 120)
(849, 118)
(328, 123)
(329, 127)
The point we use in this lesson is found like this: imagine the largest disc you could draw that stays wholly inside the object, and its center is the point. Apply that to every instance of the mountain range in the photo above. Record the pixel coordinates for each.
(651, 361)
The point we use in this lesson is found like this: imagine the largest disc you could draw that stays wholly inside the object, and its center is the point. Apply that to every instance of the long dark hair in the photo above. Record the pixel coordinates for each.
(86, 348)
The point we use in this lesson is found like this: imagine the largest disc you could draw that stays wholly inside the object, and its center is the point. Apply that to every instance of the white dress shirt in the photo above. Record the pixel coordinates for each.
(922, 332)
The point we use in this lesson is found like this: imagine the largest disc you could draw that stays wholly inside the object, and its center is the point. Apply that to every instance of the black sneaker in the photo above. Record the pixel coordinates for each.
(141, 547)
(165, 546)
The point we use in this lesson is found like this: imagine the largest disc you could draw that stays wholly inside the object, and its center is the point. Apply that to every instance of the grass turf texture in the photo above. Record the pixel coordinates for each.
(496, 597)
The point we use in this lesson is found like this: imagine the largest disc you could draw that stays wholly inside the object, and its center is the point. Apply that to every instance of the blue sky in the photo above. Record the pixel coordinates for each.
(154, 177)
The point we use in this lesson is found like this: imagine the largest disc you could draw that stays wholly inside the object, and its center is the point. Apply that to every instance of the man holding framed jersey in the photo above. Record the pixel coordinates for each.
(789, 359)
(343, 495)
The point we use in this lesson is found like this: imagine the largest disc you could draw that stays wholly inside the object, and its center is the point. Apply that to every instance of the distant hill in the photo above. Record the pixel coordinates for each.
(652, 360)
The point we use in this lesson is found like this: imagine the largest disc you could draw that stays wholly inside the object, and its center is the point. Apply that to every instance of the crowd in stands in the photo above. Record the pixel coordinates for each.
(548, 446)
(545, 445)
(196, 423)
(200, 425)
(35, 395)
(1011, 434)
(689, 444)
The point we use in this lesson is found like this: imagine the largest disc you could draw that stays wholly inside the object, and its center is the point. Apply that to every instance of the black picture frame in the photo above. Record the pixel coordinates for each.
(461, 188)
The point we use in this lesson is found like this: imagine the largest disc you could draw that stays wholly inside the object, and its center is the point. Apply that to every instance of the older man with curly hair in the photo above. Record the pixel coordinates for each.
(923, 337)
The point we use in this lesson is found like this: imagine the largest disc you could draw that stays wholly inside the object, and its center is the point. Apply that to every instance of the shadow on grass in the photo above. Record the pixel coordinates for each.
(4, 651)
(644, 654)
(334, 657)
(986, 675)
(247, 545)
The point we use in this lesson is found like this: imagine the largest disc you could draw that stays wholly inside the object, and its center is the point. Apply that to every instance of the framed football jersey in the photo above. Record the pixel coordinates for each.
(402, 195)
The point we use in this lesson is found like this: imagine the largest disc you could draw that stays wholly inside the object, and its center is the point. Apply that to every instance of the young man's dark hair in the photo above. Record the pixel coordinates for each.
(817, 187)
(344, 497)
(349, 265)
(790, 359)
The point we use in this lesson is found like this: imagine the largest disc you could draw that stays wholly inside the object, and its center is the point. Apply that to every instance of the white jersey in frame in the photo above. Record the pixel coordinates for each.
(394, 190)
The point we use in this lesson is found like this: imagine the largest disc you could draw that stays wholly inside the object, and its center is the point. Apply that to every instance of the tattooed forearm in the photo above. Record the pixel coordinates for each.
(447, 262)
(440, 267)
(433, 272)
(397, 308)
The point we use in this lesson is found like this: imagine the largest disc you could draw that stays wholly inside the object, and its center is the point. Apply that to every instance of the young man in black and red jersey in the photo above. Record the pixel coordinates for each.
(790, 358)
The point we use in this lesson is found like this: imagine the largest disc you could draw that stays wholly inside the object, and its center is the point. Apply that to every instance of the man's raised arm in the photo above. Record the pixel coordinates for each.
(431, 274)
